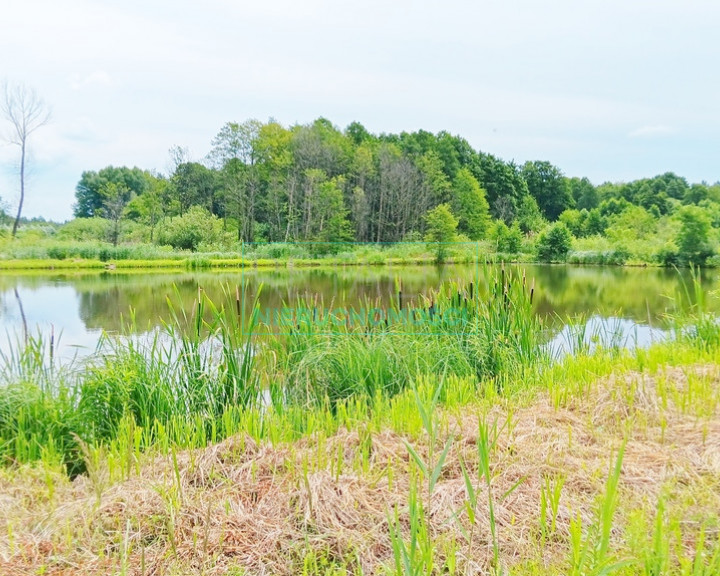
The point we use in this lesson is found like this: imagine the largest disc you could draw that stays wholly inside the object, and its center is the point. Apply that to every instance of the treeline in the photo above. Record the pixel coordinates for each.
(266, 182)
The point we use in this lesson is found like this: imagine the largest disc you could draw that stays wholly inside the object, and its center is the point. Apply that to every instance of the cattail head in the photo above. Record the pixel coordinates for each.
(532, 290)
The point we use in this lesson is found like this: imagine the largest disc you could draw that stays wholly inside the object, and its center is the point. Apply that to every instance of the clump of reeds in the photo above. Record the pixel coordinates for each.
(175, 384)
(693, 321)
(488, 331)
(38, 402)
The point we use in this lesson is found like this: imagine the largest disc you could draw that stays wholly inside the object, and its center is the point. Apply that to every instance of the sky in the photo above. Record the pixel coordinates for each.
(612, 90)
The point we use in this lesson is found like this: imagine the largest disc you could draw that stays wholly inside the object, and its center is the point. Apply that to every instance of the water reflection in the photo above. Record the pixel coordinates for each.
(84, 304)
(599, 332)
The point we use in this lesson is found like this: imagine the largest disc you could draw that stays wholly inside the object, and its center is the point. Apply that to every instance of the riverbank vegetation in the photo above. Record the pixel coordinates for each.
(307, 190)
(439, 438)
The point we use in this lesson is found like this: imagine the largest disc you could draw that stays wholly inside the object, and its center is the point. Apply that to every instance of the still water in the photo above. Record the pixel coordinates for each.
(630, 304)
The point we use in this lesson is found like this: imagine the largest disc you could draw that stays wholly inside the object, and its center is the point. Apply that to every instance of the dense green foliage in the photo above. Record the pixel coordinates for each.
(441, 229)
(554, 243)
(315, 183)
(549, 187)
(90, 192)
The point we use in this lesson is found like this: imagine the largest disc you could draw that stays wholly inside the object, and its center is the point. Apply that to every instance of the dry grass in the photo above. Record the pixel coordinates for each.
(244, 508)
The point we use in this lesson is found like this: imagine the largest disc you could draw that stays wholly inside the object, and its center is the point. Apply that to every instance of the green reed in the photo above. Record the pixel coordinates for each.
(193, 380)
(487, 332)
(185, 376)
(38, 400)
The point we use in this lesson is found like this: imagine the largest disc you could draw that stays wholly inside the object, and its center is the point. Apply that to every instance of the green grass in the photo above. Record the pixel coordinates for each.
(47, 254)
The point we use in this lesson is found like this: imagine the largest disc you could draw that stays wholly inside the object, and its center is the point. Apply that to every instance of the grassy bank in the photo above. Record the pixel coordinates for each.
(214, 262)
(440, 447)
(82, 256)
(513, 486)
(61, 255)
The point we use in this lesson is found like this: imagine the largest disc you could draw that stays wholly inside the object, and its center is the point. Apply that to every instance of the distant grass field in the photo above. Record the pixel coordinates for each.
(48, 256)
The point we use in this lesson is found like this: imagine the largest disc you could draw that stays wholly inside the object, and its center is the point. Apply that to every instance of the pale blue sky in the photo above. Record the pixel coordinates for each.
(612, 90)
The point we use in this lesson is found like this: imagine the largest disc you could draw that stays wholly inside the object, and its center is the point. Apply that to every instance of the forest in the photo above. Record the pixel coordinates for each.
(317, 184)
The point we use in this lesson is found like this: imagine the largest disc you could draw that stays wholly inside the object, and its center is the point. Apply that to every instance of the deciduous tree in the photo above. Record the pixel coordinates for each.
(89, 197)
(26, 112)
(693, 237)
(235, 154)
(470, 205)
(549, 187)
(115, 199)
(441, 230)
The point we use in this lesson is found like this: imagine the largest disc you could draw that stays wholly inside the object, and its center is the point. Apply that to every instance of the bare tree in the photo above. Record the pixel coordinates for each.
(178, 155)
(26, 112)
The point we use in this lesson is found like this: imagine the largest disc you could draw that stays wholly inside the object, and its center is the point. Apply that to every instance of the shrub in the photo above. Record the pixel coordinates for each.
(713, 262)
(275, 251)
(616, 257)
(106, 253)
(507, 240)
(554, 243)
(83, 229)
(668, 256)
(57, 252)
(186, 232)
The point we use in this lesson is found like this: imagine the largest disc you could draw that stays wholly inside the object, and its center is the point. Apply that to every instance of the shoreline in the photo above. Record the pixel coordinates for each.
(209, 263)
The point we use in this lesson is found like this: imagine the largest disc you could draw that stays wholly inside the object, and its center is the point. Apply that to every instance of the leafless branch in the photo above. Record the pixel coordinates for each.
(25, 110)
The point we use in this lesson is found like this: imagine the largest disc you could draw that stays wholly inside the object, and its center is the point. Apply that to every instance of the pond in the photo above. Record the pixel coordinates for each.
(631, 305)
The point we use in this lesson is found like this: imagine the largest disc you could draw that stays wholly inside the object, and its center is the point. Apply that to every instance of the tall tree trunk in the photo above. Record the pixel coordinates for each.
(291, 208)
(22, 188)
(380, 215)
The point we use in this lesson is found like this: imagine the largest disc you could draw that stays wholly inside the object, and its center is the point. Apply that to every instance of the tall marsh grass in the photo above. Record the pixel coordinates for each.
(185, 376)
(489, 333)
(209, 364)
